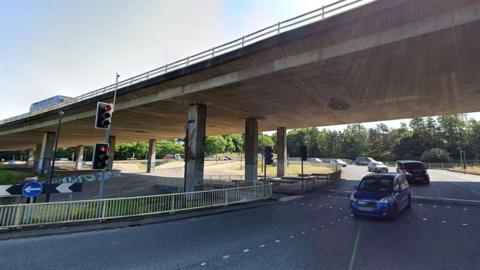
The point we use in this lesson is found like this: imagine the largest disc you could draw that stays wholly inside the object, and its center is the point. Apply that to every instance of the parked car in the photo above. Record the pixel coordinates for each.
(363, 161)
(415, 170)
(377, 166)
(316, 161)
(385, 194)
(338, 162)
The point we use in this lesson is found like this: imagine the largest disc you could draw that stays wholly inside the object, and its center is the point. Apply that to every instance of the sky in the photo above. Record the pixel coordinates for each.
(54, 47)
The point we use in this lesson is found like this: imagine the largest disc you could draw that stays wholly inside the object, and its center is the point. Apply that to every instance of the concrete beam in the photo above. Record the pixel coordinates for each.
(152, 153)
(111, 151)
(46, 153)
(281, 151)
(251, 149)
(79, 154)
(195, 147)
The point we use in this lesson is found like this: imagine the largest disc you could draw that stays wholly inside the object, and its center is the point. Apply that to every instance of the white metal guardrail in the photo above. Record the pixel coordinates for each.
(23, 215)
(270, 31)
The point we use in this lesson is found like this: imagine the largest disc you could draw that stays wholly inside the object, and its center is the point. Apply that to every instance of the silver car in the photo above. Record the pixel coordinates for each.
(377, 166)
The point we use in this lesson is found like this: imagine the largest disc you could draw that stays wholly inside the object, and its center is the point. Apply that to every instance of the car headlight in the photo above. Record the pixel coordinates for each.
(385, 200)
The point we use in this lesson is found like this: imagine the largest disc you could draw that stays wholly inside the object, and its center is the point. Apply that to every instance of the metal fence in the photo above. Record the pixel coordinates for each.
(22, 215)
(316, 15)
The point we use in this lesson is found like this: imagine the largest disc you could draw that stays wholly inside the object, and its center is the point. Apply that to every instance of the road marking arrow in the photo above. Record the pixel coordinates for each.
(64, 188)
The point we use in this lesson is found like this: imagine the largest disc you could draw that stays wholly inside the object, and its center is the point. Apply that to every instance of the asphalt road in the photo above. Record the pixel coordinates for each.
(443, 183)
(311, 232)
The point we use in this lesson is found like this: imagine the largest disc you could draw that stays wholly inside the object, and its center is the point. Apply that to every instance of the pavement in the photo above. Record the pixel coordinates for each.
(314, 231)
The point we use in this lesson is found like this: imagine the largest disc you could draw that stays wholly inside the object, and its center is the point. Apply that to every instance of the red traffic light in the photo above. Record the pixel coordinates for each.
(107, 107)
(103, 149)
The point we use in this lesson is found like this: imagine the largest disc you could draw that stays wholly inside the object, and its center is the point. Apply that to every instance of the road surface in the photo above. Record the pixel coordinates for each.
(315, 231)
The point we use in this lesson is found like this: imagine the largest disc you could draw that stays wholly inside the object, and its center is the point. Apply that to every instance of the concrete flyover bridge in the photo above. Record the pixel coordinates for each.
(387, 59)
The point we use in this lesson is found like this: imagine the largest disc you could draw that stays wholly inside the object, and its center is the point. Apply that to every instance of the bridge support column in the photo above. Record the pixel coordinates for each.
(38, 149)
(281, 151)
(111, 151)
(46, 153)
(251, 149)
(79, 154)
(152, 153)
(195, 147)
(30, 158)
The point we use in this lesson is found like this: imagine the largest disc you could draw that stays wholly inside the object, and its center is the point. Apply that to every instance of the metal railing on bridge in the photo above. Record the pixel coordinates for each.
(23, 215)
(316, 15)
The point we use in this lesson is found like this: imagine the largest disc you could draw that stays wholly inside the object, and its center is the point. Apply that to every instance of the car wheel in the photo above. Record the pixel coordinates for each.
(427, 182)
(409, 205)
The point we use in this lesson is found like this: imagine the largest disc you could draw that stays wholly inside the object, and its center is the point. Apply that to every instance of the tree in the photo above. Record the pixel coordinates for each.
(436, 155)
(215, 145)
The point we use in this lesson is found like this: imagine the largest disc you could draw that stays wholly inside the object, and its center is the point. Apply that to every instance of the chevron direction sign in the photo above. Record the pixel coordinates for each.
(19, 189)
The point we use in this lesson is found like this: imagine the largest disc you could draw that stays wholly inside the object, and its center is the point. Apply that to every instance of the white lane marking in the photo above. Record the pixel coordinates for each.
(203, 264)
(465, 209)
(277, 241)
(330, 207)
(338, 220)
(302, 232)
(226, 257)
(464, 224)
(424, 219)
(311, 204)
(246, 250)
(434, 206)
(323, 226)
(291, 236)
(262, 246)
(448, 207)
(444, 221)
(345, 217)
(420, 204)
(340, 208)
(314, 229)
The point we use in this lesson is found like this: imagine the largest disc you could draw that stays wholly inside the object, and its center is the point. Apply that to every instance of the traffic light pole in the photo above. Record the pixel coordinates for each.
(107, 139)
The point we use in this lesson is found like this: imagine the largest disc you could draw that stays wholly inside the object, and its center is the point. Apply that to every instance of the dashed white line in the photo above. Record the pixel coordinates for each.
(246, 250)
(464, 224)
(424, 219)
(262, 246)
(277, 241)
(302, 232)
(203, 264)
(226, 257)
(444, 221)
(291, 236)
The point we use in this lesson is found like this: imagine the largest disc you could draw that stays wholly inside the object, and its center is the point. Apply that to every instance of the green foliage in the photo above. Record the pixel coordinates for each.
(436, 155)
(11, 177)
(169, 147)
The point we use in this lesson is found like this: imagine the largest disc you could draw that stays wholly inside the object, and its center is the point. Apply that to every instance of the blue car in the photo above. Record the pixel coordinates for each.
(384, 194)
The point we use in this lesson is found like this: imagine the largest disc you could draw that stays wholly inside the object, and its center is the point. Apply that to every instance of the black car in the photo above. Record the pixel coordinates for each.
(416, 171)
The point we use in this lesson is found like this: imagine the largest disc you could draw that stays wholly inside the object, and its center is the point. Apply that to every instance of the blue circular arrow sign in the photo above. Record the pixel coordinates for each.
(32, 189)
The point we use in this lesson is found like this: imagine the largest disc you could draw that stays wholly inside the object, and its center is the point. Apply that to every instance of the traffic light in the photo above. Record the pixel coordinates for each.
(268, 155)
(104, 115)
(100, 156)
(303, 152)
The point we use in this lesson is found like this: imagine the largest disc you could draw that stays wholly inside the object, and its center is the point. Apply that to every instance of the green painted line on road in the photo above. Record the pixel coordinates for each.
(354, 253)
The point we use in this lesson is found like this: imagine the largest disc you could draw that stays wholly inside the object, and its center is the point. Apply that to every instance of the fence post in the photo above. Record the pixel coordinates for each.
(226, 197)
(18, 215)
(104, 209)
(172, 203)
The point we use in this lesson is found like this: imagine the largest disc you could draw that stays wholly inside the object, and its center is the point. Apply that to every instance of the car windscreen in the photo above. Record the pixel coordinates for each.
(414, 166)
(376, 183)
